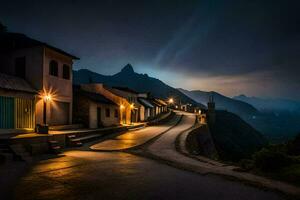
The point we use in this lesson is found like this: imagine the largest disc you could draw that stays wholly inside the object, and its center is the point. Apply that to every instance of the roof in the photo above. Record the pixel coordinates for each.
(15, 83)
(96, 97)
(163, 103)
(154, 102)
(126, 89)
(13, 41)
(145, 102)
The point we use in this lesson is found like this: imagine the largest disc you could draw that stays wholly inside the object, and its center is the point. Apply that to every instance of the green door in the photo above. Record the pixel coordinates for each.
(7, 112)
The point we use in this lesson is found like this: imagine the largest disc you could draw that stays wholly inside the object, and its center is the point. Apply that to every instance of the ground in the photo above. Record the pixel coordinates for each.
(96, 175)
(86, 174)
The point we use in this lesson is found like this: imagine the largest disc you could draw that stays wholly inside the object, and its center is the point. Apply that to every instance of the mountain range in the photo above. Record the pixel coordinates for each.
(142, 83)
(222, 102)
(268, 104)
(276, 126)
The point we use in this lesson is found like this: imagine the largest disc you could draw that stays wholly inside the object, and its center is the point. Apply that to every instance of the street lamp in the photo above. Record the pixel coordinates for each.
(171, 101)
(131, 108)
(47, 98)
(122, 118)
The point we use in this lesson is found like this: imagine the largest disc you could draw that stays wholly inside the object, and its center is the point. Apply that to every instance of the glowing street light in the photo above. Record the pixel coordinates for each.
(122, 107)
(132, 106)
(171, 100)
(47, 98)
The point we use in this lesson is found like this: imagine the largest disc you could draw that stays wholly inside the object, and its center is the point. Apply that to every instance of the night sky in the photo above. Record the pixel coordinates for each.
(233, 47)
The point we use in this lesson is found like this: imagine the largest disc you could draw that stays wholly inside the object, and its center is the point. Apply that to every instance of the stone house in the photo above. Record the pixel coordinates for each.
(125, 107)
(93, 109)
(146, 109)
(132, 97)
(159, 106)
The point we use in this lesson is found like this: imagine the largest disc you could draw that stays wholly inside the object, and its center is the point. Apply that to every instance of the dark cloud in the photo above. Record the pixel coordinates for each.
(232, 39)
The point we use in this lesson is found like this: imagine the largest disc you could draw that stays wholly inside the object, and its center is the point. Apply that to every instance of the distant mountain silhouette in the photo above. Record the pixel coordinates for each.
(274, 104)
(138, 82)
(222, 102)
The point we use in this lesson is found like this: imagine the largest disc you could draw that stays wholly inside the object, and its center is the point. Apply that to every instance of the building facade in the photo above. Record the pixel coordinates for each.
(125, 107)
(94, 110)
(17, 104)
(46, 69)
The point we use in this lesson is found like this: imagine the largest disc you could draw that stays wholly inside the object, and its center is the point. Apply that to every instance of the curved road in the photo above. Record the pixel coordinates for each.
(164, 146)
(117, 175)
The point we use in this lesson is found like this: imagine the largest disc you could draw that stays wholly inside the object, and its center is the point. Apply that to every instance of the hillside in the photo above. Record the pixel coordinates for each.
(222, 102)
(139, 82)
(234, 138)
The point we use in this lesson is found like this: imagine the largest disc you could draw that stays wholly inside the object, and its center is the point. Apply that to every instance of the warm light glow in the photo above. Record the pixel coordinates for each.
(132, 106)
(176, 106)
(171, 100)
(47, 97)
(122, 107)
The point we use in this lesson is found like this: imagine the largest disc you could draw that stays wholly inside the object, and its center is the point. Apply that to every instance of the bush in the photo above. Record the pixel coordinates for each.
(267, 159)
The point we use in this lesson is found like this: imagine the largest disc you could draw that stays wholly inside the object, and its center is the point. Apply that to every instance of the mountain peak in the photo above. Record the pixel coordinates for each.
(128, 69)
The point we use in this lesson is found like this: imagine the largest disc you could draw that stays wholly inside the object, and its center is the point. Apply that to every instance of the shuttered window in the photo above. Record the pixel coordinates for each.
(53, 68)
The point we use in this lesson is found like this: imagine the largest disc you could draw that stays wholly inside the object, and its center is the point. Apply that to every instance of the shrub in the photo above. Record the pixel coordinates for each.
(267, 159)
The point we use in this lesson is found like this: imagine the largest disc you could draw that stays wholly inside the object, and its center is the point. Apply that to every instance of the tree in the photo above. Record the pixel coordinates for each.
(2, 28)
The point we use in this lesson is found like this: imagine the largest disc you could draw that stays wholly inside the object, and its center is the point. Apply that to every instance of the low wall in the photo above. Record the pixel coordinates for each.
(39, 143)
(200, 141)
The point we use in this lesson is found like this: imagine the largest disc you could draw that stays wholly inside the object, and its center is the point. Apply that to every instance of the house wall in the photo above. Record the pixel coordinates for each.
(142, 112)
(37, 75)
(33, 61)
(148, 113)
(98, 88)
(60, 88)
(132, 99)
(81, 112)
(106, 121)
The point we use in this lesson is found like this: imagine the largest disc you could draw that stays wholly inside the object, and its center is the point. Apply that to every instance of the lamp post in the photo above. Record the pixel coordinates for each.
(121, 114)
(131, 108)
(171, 102)
(47, 97)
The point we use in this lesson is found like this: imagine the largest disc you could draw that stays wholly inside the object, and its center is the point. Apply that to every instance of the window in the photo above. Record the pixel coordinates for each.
(107, 112)
(53, 68)
(116, 113)
(20, 67)
(66, 72)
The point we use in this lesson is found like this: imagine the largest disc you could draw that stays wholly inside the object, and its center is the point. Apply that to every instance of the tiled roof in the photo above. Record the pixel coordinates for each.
(163, 103)
(15, 83)
(96, 97)
(145, 102)
(11, 41)
(126, 89)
